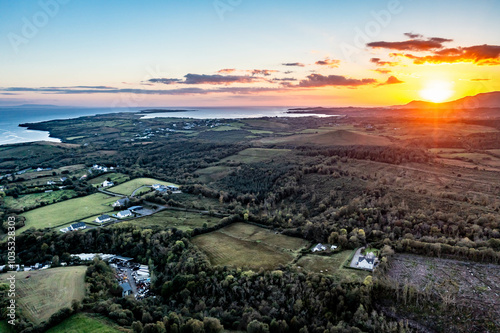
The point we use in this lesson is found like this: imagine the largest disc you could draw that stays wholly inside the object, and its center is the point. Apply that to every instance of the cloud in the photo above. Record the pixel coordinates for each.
(164, 81)
(218, 79)
(318, 80)
(382, 70)
(379, 62)
(227, 70)
(333, 63)
(297, 64)
(477, 54)
(391, 80)
(285, 79)
(177, 91)
(408, 45)
(208, 79)
(412, 35)
(480, 79)
(265, 72)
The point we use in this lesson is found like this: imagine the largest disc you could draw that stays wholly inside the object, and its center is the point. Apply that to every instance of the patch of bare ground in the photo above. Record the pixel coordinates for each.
(457, 284)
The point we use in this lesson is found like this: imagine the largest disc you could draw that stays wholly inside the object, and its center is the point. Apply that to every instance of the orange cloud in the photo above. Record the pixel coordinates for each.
(478, 54)
(318, 80)
(227, 70)
(333, 63)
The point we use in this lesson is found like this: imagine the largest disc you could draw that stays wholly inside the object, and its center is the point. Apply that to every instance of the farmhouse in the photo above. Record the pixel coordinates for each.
(127, 289)
(366, 262)
(107, 183)
(320, 247)
(121, 202)
(103, 218)
(78, 226)
(124, 213)
(51, 182)
(74, 226)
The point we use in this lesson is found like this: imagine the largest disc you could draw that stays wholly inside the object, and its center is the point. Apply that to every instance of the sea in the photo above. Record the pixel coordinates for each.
(11, 117)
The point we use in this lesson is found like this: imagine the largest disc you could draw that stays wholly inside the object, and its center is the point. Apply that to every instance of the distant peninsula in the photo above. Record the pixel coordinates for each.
(164, 110)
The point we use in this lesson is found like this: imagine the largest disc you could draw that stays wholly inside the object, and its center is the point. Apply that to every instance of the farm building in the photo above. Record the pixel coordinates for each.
(172, 187)
(121, 202)
(107, 183)
(320, 247)
(78, 226)
(127, 289)
(103, 218)
(134, 208)
(124, 213)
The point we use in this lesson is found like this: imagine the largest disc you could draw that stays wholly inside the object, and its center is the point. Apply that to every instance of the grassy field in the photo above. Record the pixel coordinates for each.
(331, 265)
(174, 219)
(46, 292)
(129, 187)
(68, 211)
(84, 323)
(248, 246)
(32, 200)
(252, 155)
(116, 178)
(6, 327)
(198, 202)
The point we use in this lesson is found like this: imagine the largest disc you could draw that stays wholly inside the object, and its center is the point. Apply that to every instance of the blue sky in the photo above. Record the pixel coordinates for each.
(123, 43)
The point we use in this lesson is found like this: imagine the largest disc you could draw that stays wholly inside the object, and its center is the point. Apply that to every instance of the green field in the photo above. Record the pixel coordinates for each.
(6, 327)
(68, 211)
(47, 291)
(174, 219)
(248, 246)
(331, 265)
(116, 178)
(252, 155)
(32, 200)
(129, 187)
(84, 323)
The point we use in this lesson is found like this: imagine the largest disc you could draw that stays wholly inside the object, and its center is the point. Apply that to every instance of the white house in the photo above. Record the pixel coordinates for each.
(107, 184)
(121, 202)
(103, 218)
(320, 247)
(124, 213)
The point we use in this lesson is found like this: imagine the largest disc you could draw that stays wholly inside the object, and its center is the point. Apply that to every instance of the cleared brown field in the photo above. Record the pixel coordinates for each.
(248, 246)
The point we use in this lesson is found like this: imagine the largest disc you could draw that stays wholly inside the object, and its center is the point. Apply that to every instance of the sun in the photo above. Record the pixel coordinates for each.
(437, 91)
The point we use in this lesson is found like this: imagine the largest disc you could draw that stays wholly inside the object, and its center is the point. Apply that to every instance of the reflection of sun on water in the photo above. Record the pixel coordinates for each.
(437, 91)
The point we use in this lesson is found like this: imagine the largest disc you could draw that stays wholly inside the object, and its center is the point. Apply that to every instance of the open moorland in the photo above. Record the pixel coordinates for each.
(248, 246)
(40, 294)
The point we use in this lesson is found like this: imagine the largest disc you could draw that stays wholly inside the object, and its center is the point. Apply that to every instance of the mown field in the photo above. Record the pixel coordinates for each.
(175, 219)
(331, 265)
(84, 323)
(67, 211)
(248, 246)
(128, 187)
(29, 201)
(46, 292)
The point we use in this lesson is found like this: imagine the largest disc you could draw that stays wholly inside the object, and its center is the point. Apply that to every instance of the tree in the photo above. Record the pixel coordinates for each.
(256, 326)
(212, 325)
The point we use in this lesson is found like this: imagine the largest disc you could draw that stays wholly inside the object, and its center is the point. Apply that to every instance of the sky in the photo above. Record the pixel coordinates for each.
(246, 53)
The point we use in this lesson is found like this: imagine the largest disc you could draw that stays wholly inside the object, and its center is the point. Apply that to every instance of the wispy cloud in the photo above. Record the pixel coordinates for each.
(333, 63)
(293, 64)
(318, 80)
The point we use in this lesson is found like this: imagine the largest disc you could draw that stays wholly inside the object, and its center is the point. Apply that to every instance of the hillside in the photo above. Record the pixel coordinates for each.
(484, 100)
